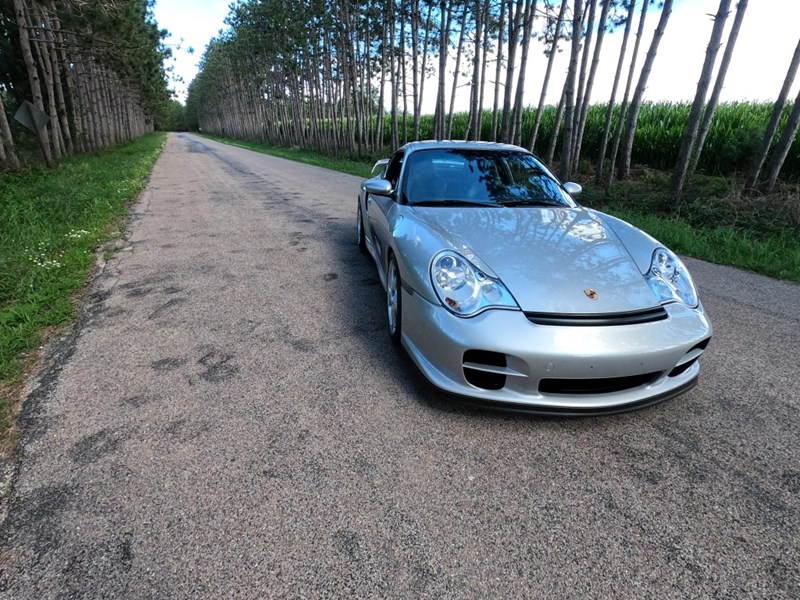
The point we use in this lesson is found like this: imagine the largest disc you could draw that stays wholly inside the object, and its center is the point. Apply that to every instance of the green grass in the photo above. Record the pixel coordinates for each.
(714, 223)
(777, 255)
(51, 223)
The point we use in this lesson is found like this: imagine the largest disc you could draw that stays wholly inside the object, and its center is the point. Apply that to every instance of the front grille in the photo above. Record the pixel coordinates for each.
(635, 317)
(606, 385)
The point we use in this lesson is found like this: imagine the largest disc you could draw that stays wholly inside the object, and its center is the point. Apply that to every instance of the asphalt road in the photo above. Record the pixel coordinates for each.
(229, 418)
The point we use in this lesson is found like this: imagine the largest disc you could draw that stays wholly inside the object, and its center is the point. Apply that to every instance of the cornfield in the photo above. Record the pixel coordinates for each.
(733, 139)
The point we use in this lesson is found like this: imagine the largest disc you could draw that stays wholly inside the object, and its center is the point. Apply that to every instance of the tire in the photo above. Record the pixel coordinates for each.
(361, 240)
(394, 299)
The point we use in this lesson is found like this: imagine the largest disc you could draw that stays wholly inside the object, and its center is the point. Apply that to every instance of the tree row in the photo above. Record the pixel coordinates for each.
(94, 68)
(350, 76)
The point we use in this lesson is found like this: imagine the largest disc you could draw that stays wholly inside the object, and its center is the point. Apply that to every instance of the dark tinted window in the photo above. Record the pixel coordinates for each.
(393, 168)
(482, 177)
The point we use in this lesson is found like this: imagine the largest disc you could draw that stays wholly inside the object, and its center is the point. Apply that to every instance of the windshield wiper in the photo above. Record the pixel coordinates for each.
(453, 203)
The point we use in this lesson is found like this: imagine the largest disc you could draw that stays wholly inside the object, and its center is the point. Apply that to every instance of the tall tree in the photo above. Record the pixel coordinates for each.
(781, 150)
(587, 94)
(514, 25)
(696, 112)
(550, 56)
(601, 155)
(769, 134)
(498, 69)
(444, 41)
(711, 107)
(477, 82)
(527, 34)
(8, 155)
(33, 76)
(636, 103)
(569, 92)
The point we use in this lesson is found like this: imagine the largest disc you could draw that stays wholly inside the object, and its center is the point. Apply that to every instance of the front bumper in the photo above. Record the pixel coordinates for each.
(555, 369)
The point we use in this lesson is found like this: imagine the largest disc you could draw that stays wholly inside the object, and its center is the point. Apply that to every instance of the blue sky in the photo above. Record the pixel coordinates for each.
(766, 42)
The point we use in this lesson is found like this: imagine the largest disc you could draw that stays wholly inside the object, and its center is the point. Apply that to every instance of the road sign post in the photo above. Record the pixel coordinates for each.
(36, 120)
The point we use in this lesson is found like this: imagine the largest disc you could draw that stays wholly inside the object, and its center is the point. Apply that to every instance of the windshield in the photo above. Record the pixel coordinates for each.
(482, 177)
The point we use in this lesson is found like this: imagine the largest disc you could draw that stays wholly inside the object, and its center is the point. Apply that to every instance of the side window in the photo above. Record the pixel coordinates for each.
(393, 168)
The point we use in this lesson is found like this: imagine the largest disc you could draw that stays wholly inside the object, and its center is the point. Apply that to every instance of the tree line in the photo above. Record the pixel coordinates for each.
(96, 68)
(351, 76)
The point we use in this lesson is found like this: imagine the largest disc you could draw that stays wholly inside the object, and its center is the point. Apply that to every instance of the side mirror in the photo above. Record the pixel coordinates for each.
(573, 189)
(378, 187)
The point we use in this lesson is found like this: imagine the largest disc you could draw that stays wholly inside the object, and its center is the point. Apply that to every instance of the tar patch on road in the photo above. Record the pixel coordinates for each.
(218, 365)
(95, 446)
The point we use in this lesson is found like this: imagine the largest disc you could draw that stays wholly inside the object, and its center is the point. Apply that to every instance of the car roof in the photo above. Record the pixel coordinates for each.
(459, 145)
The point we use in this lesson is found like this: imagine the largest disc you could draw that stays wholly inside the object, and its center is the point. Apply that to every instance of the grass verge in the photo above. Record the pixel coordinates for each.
(776, 255)
(51, 223)
(714, 222)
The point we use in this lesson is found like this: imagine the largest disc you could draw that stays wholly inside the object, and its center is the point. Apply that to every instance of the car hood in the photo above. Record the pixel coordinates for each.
(555, 260)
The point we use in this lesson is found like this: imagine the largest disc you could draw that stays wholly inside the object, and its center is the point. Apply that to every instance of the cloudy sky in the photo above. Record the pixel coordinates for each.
(764, 49)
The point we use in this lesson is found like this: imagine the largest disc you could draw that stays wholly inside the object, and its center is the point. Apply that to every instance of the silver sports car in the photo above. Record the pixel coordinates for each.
(503, 289)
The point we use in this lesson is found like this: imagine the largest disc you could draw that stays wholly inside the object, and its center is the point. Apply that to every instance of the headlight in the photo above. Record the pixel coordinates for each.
(670, 280)
(464, 289)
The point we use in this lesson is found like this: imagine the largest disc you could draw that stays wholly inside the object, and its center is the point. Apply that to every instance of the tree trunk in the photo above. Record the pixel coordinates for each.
(618, 129)
(42, 54)
(497, 69)
(772, 126)
(414, 64)
(61, 106)
(514, 23)
(527, 34)
(610, 110)
(569, 92)
(393, 72)
(449, 134)
(584, 61)
(636, 103)
(696, 112)
(708, 115)
(444, 36)
(418, 109)
(33, 76)
(380, 141)
(782, 148)
(551, 150)
(73, 84)
(553, 49)
(478, 125)
(403, 61)
(584, 108)
(476, 66)
(8, 155)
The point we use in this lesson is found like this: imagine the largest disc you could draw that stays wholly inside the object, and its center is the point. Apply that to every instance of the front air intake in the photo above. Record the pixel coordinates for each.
(606, 385)
(485, 369)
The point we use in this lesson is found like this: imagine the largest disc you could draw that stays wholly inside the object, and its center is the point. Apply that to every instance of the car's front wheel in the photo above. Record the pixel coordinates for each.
(362, 243)
(394, 300)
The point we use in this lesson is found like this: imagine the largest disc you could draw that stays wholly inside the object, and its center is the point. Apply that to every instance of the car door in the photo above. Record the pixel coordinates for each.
(380, 210)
